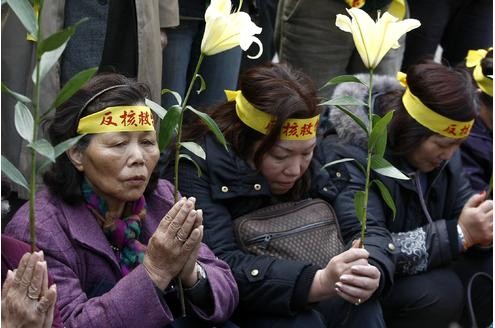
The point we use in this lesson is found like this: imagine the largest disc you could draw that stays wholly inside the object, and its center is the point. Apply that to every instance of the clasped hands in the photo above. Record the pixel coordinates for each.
(173, 249)
(348, 275)
(476, 221)
(26, 299)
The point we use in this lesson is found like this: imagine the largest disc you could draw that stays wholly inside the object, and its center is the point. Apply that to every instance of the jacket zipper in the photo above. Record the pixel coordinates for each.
(265, 239)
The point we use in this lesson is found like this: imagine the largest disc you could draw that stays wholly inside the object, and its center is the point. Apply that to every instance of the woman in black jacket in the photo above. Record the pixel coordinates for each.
(426, 251)
(267, 162)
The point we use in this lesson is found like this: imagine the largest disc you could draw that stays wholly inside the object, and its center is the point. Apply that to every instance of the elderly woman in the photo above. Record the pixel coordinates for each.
(427, 250)
(267, 164)
(113, 238)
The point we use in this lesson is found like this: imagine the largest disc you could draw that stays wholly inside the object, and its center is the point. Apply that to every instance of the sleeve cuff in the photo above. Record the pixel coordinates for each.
(302, 287)
(453, 238)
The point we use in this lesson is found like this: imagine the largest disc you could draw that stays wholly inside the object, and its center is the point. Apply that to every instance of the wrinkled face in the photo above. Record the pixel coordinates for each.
(286, 162)
(118, 164)
(432, 152)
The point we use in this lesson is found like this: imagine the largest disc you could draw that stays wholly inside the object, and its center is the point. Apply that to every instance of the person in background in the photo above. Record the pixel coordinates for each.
(123, 36)
(181, 55)
(454, 25)
(267, 163)
(28, 296)
(308, 40)
(477, 150)
(428, 251)
(112, 234)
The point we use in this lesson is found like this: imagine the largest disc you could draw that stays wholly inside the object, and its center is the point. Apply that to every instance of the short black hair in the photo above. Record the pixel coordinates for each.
(62, 178)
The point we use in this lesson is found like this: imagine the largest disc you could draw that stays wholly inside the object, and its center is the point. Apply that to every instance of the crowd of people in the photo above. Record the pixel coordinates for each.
(117, 247)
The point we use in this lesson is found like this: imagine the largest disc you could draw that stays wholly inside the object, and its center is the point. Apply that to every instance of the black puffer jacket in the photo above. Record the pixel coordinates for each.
(423, 234)
(227, 189)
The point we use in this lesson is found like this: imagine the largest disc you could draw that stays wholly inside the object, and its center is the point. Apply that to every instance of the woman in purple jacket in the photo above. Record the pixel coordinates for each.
(113, 238)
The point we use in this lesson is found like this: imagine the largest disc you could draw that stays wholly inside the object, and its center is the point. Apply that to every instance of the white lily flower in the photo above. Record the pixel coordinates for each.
(374, 39)
(225, 30)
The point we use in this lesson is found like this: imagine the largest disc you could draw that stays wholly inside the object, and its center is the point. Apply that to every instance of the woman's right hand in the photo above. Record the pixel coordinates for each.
(349, 275)
(476, 221)
(173, 242)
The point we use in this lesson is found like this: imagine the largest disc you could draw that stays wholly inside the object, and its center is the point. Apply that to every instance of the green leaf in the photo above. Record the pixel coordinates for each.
(159, 110)
(359, 197)
(387, 197)
(64, 145)
(382, 166)
(47, 61)
(25, 13)
(342, 161)
(72, 86)
(202, 86)
(186, 156)
(194, 148)
(24, 122)
(13, 173)
(344, 101)
(44, 148)
(342, 79)
(176, 95)
(61, 148)
(168, 127)
(16, 95)
(211, 125)
(376, 141)
(56, 40)
(355, 118)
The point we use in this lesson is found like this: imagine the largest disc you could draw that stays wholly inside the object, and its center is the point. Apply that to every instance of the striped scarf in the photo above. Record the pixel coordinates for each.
(122, 233)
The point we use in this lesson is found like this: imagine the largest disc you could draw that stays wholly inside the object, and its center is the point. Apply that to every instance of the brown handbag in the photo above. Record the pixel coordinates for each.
(305, 231)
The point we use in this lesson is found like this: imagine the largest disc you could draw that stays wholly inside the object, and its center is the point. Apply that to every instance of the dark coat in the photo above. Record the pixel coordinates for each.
(229, 188)
(423, 234)
(477, 155)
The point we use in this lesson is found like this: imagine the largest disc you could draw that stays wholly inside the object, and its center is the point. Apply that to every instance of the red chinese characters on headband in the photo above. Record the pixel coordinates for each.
(297, 130)
(128, 118)
(145, 118)
(456, 131)
(108, 119)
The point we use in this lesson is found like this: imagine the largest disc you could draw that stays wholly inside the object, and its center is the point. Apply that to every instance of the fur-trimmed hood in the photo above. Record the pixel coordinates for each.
(347, 130)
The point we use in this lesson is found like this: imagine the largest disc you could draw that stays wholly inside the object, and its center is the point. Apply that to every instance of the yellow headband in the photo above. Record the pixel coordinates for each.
(292, 129)
(473, 59)
(426, 117)
(117, 119)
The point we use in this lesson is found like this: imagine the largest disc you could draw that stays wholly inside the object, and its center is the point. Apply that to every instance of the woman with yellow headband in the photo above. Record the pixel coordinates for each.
(112, 236)
(477, 151)
(427, 252)
(270, 126)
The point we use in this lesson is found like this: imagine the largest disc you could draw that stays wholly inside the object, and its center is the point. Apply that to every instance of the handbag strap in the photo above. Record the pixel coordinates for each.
(472, 316)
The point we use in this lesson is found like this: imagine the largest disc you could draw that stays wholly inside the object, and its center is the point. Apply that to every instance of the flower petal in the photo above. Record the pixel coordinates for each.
(225, 30)
(343, 22)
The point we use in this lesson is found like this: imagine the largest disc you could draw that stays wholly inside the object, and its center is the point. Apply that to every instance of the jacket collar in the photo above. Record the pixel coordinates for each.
(85, 230)
(226, 169)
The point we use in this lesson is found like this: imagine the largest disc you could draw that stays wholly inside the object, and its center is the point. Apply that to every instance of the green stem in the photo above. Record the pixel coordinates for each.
(368, 162)
(36, 109)
(179, 128)
(176, 164)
